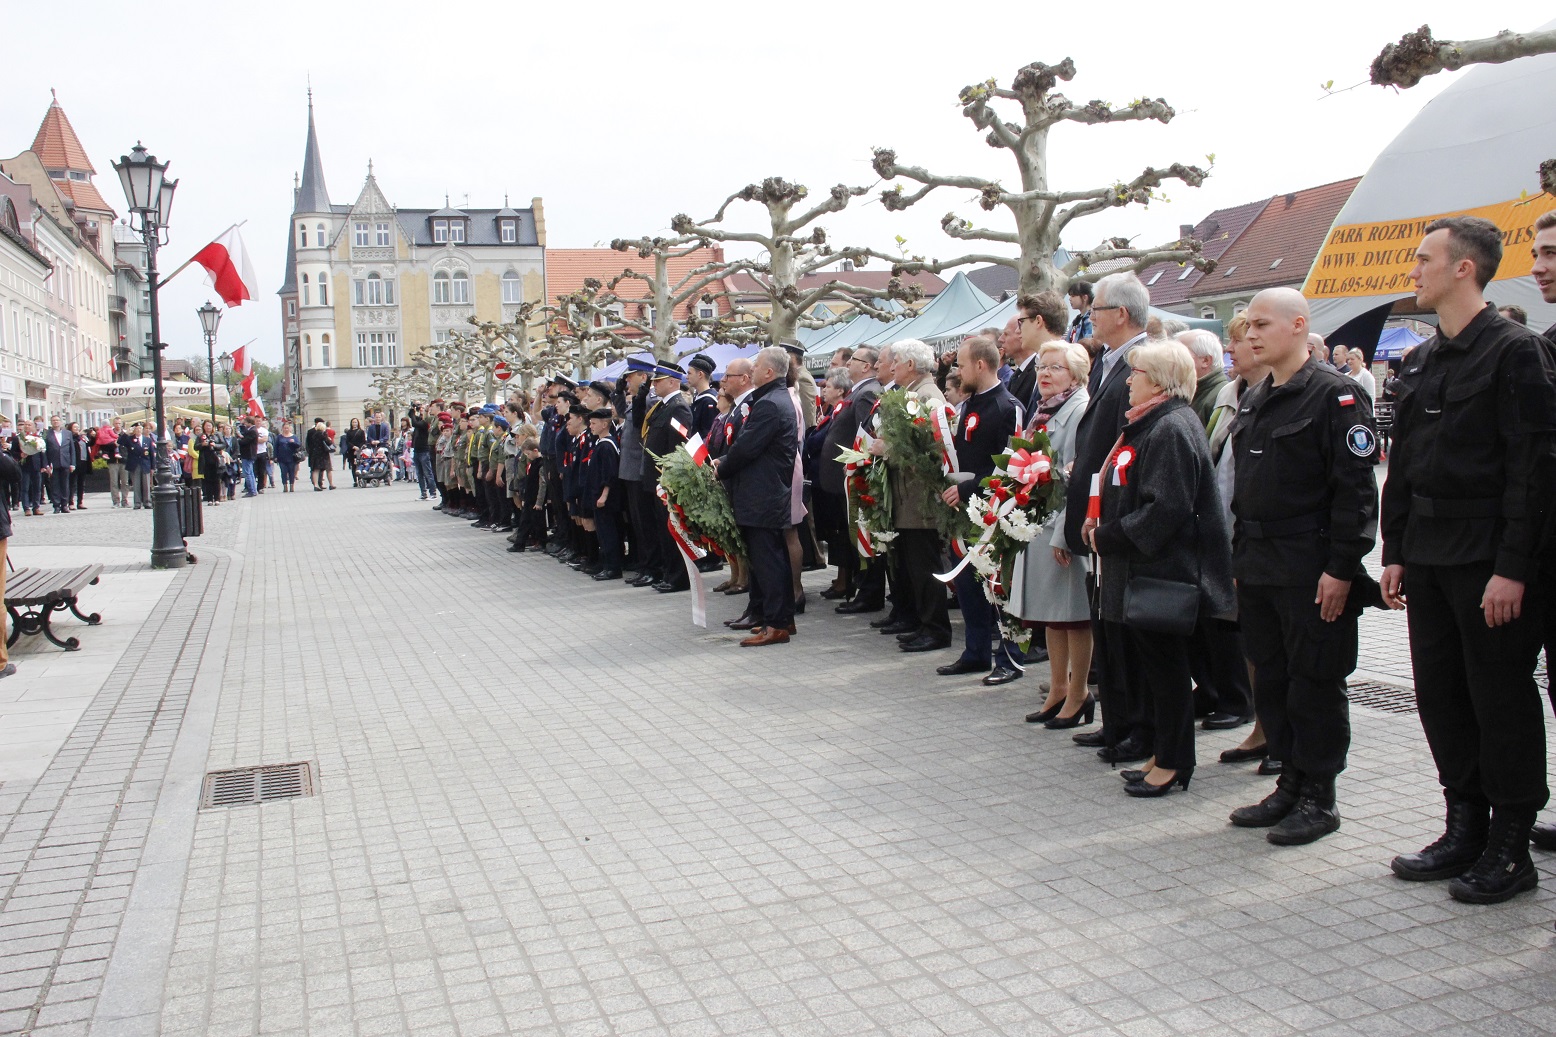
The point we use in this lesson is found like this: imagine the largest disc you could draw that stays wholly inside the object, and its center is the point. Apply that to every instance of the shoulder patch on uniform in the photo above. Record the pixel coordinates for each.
(1361, 441)
(1347, 399)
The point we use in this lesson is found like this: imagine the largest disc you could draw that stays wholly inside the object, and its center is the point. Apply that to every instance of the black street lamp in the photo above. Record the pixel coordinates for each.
(210, 317)
(150, 195)
(226, 361)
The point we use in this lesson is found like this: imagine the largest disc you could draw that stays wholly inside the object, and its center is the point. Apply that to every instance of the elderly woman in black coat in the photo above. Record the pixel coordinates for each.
(1165, 552)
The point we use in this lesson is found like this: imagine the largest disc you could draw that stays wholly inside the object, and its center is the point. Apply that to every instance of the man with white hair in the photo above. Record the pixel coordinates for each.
(1205, 348)
(1118, 316)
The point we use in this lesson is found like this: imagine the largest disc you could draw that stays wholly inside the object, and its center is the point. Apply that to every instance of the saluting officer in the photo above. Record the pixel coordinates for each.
(1305, 506)
(1464, 521)
(668, 412)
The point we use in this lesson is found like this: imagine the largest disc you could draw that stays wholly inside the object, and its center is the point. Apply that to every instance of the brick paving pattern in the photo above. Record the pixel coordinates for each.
(547, 806)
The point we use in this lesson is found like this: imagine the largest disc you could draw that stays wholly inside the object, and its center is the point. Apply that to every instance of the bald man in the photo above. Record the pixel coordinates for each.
(1305, 506)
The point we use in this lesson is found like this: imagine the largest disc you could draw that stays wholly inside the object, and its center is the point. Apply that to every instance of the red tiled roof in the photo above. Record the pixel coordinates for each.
(1217, 232)
(567, 268)
(83, 193)
(1279, 246)
(932, 284)
(57, 145)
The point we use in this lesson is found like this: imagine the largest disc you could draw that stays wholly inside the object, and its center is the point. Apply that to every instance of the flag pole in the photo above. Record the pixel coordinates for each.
(180, 268)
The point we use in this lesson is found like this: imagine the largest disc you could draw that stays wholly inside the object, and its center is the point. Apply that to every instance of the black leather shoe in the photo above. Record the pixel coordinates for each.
(1258, 752)
(854, 608)
(1143, 789)
(906, 635)
(1037, 654)
(1272, 809)
(1314, 816)
(646, 580)
(925, 643)
(1042, 716)
(1543, 837)
(833, 595)
(1455, 851)
(1504, 870)
(960, 667)
(890, 619)
(1133, 775)
(607, 574)
(667, 587)
(1224, 721)
(1268, 768)
(745, 622)
(1127, 751)
(900, 626)
(516, 549)
(1090, 739)
(1002, 674)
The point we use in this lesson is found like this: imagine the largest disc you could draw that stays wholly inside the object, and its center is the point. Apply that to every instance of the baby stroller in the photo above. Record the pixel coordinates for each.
(373, 467)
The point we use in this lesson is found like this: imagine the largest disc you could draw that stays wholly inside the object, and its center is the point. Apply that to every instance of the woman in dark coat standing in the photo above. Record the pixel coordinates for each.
(353, 443)
(1161, 518)
(286, 453)
(207, 445)
(317, 444)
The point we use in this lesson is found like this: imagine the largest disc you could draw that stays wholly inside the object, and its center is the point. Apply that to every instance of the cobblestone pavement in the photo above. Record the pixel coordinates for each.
(548, 806)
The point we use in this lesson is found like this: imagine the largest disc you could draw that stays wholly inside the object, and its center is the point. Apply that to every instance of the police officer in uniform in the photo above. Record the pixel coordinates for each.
(1465, 512)
(667, 412)
(1305, 507)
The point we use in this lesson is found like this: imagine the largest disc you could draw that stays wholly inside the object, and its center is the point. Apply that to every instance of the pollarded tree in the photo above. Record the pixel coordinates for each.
(1042, 214)
(666, 289)
(1418, 55)
(791, 248)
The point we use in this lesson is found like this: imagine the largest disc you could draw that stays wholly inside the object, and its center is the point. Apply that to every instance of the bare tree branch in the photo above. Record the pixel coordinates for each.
(1418, 55)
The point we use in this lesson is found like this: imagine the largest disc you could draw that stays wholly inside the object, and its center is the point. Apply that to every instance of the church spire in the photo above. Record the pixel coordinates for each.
(312, 195)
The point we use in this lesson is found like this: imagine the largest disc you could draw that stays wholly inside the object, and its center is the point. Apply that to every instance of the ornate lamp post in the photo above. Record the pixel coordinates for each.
(226, 361)
(150, 195)
(210, 317)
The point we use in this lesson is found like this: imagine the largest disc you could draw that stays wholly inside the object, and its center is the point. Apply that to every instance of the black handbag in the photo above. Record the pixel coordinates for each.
(1161, 606)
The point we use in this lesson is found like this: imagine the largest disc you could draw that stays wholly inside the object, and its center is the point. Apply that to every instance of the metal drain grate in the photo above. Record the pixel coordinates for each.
(1387, 698)
(257, 785)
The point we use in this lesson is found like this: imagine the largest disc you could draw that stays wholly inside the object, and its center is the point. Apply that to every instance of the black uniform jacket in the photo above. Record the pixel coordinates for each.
(758, 467)
(1094, 437)
(1470, 478)
(603, 466)
(705, 407)
(1305, 501)
(661, 436)
(988, 421)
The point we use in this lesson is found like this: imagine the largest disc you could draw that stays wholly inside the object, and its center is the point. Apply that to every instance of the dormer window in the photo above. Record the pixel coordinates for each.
(509, 231)
(440, 230)
(456, 230)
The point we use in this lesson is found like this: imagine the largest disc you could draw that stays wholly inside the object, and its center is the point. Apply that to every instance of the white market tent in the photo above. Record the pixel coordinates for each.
(141, 393)
(958, 303)
(1475, 150)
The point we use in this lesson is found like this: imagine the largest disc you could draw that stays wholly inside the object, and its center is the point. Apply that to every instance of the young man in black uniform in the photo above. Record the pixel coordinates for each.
(705, 402)
(1305, 506)
(667, 412)
(602, 489)
(1544, 274)
(1465, 515)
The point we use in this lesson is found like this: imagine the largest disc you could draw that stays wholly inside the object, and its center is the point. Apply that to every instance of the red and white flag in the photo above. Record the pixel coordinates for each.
(231, 273)
(697, 448)
(250, 385)
(256, 407)
(242, 362)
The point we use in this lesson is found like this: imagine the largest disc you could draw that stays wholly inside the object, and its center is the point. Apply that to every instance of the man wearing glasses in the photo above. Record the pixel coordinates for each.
(1040, 321)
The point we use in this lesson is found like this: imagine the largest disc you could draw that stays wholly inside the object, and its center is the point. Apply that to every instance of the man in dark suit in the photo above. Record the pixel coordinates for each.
(667, 412)
(869, 369)
(758, 469)
(1118, 321)
(59, 458)
(840, 435)
(989, 418)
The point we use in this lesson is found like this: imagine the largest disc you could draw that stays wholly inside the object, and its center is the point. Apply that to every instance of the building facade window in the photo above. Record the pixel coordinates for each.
(373, 290)
(439, 230)
(377, 349)
(456, 230)
(307, 292)
(512, 288)
(324, 289)
(381, 234)
(460, 284)
(706, 311)
(440, 293)
(302, 235)
(318, 233)
(510, 231)
(359, 235)
(291, 307)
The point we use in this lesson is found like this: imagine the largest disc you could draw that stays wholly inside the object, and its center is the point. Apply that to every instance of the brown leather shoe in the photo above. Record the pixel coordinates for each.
(766, 636)
(738, 588)
(721, 588)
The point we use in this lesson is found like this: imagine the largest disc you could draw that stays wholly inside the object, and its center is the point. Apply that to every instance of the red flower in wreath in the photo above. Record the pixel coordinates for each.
(1023, 499)
(867, 500)
(989, 518)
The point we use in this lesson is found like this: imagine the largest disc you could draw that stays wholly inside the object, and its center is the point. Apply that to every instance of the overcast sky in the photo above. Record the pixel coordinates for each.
(620, 116)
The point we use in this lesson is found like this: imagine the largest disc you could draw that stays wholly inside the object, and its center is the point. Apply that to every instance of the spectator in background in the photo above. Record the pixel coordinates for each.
(1516, 314)
(59, 445)
(140, 460)
(83, 464)
(108, 437)
(287, 455)
(1316, 347)
(1209, 371)
(1080, 301)
(31, 446)
(1356, 368)
(10, 474)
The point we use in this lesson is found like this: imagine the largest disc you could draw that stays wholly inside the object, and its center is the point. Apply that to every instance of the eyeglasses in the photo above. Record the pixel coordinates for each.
(1052, 368)
(1021, 321)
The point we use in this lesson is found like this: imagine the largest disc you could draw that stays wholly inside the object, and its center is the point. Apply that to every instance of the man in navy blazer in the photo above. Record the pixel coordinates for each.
(59, 458)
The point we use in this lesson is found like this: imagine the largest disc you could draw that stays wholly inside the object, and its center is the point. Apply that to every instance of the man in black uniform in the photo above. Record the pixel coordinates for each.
(1544, 274)
(705, 402)
(1465, 511)
(667, 412)
(990, 416)
(1305, 506)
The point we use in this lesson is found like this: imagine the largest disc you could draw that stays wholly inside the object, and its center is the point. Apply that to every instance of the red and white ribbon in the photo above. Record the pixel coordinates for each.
(691, 554)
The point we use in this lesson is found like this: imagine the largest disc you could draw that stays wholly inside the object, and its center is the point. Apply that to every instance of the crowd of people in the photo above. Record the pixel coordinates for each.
(1207, 564)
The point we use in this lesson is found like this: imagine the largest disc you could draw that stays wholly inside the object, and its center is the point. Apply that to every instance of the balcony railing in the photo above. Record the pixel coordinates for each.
(118, 304)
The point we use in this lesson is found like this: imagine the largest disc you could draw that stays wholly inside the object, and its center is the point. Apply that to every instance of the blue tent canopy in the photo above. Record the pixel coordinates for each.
(1393, 343)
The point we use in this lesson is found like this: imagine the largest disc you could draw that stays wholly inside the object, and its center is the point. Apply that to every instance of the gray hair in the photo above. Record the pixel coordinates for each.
(1126, 290)
(1173, 328)
(915, 352)
(1201, 343)
(885, 352)
(1167, 363)
(1075, 357)
(839, 379)
(776, 358)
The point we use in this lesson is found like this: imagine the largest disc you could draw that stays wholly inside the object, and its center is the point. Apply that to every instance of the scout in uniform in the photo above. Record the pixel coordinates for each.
(602, 491)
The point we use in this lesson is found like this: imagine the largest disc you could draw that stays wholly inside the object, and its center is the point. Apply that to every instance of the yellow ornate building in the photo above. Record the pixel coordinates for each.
(369, 285)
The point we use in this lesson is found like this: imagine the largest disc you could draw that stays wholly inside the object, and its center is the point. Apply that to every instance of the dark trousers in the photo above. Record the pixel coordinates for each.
(979, 614)
(426, 477)
(772, 585)
(607, 529)
(870, 586)
(1300, 664)
(672, 569)
(1218, 665)
(1120, 684)
(640, 495)
(1166, 697)
(32, 490)
(1475, 687)
(921, 597)
(59, 487)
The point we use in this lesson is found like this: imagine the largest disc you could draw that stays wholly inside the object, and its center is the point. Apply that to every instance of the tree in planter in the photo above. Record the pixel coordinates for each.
(1418, 55)
(1041, 213)
(792, 247)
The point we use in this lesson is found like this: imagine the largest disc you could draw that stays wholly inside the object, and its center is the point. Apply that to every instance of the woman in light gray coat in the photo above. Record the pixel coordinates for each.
(1046, 588)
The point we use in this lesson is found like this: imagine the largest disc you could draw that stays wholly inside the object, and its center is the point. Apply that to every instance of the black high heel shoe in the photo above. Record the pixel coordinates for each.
(799, 605)
(1145, 790)
(1131, 776)
(1082, 716)
(1045, 715)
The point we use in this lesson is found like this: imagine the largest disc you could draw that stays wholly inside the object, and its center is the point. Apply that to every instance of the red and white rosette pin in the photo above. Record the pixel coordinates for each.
(1126, 457)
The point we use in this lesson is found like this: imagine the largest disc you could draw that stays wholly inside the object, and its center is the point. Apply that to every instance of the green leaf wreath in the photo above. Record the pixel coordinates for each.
(701, 503)
(904, 422)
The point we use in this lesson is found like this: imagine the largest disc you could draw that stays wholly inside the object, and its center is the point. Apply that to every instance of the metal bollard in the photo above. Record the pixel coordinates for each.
(190, 517)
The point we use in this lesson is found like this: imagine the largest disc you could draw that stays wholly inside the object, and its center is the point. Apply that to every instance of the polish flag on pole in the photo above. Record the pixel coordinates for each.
(257, 407)
(249, 385)
(242, 362)
(227, 263)
(694, 444)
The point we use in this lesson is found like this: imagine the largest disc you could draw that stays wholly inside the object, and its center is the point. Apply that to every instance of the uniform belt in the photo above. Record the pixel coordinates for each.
(1284, 527)
(1456, 507)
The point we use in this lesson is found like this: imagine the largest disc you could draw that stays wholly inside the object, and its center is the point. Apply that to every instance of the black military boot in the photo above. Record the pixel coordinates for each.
(1270, 810)
(1312, 818)
(1543, 836)
(1504, 870)
(1461, 844)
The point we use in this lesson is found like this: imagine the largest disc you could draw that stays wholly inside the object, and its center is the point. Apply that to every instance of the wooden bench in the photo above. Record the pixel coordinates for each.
(39, 593)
